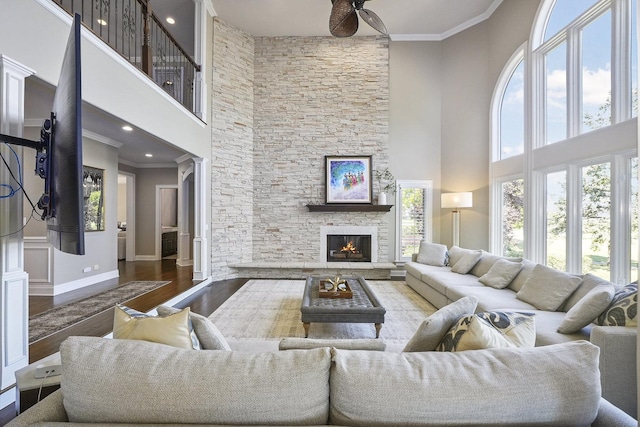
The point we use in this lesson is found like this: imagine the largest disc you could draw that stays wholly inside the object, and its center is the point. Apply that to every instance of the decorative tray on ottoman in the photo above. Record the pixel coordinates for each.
(325, 289)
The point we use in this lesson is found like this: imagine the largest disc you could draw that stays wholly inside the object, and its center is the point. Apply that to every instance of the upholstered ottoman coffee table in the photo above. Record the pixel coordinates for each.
(363, 307)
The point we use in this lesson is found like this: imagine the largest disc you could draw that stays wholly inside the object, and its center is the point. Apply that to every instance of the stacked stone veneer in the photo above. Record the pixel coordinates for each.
(232, 169)
(311, 97)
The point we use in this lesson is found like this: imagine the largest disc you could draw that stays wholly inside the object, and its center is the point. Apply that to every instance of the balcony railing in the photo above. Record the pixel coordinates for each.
(131, 29)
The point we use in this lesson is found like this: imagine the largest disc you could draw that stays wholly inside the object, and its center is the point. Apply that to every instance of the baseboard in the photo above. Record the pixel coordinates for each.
(50, 291)
(146, 258)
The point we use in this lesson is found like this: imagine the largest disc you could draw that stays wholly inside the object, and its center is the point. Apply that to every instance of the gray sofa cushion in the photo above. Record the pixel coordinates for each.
(487, 261)
(123, 381)
(432, 329)
(525, 272)
(587, 309)
(432, 254)
(466, 262)
(557, 385)
(547, 288)
(208, 334)
(501, 274)
(490, 299)
(547, 323)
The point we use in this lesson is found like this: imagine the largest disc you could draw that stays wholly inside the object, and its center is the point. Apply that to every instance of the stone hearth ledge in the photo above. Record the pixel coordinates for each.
(303, 269)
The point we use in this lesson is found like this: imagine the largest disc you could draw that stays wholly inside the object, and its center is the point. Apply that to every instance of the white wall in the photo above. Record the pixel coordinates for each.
(415, 113)
(471, 63)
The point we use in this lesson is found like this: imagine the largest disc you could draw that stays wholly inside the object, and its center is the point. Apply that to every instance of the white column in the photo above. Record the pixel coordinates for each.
(184, 217)
(14, 281)
(200, 244)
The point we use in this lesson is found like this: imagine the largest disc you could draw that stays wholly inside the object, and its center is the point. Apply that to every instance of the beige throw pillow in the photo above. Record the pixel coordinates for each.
(587, 309)
(174, 330)
(432, 254)
(501, 274)
(208, 334)
(547, 288)
(431, 331)
(466, 262)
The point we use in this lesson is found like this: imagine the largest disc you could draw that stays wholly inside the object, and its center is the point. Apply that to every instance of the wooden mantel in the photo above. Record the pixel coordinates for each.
(349, 207)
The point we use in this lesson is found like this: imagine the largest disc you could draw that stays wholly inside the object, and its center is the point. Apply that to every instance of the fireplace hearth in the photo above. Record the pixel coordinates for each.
(348, 248)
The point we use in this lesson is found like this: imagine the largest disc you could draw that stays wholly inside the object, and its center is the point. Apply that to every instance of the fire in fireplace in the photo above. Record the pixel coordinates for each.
(348, 248)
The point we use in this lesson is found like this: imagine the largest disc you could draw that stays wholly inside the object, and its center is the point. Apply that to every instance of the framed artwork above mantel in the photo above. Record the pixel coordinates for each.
(348, 180)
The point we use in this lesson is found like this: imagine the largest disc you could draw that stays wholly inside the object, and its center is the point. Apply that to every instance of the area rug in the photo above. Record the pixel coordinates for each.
(263, 312)
(43, 324)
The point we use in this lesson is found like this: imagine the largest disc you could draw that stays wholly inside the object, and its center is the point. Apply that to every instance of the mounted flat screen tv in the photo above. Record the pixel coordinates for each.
(59, 154)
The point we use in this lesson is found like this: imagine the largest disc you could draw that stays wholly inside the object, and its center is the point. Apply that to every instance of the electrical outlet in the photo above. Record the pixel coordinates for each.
(86, 270)
(96, 266)
(44, 371)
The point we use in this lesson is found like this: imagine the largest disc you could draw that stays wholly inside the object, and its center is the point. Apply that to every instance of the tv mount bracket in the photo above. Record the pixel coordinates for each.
(42, 148)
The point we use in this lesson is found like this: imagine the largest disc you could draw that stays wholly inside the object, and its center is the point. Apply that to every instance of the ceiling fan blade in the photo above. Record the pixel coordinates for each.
(343, 21)
(374, 20)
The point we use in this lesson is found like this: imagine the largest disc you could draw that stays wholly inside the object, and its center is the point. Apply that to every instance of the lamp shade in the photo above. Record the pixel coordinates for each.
(456, 200)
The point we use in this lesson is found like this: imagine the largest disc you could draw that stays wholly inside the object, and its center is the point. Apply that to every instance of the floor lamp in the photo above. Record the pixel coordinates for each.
(456, 201)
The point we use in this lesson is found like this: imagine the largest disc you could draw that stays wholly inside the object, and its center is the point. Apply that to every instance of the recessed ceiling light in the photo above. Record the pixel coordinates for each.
(102, 22)
(170, 20)
(127, 128)
(148, 155)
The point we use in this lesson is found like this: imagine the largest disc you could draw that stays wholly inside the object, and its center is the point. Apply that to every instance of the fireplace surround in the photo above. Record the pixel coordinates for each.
(370, 232)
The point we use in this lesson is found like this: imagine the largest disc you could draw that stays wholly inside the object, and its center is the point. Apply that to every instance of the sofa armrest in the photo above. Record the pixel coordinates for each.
(49, 409)
(610, 415)
(618, 365)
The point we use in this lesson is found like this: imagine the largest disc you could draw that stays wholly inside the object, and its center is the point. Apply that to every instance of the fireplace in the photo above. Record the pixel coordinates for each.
(348, 248)
(347, 230)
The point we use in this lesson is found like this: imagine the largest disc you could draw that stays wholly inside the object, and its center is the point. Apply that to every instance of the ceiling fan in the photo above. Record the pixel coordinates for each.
(343, 21)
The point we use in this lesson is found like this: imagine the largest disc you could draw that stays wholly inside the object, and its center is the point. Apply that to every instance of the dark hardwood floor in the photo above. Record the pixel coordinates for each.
(204, 302)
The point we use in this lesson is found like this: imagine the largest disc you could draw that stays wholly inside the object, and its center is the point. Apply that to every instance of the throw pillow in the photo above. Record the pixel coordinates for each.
(208, 334)
(432, 254)
(547, 288)
(490, 330)
(455, 253)
(587, 309)
(175, 330)
(501, 274)
(623, 309)
(466, 263)
(431, 331)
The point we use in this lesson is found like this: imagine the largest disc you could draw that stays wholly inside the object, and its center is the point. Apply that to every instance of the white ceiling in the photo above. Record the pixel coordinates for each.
(419, 19)
(404, 19)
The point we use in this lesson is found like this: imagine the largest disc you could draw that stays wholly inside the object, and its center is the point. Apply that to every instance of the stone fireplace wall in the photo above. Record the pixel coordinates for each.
(232, 168)
(314, 96)
(280, 104)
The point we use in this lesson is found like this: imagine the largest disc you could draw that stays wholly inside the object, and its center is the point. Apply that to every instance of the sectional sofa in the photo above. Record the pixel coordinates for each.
(433, 274)
(127, 382)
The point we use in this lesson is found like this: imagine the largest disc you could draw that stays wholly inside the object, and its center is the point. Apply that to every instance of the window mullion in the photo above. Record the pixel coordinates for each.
(574, 82)
(620, 258)
(620, 61)
(574, 219)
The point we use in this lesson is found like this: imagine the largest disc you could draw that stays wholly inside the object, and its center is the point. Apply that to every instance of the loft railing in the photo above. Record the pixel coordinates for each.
(131, 29)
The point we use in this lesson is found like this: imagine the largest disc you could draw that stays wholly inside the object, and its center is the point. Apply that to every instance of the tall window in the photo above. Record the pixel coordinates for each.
(556, 203)
(512, 115)
(596, 219)
(512, 207)
(579, 187)
(413, 218)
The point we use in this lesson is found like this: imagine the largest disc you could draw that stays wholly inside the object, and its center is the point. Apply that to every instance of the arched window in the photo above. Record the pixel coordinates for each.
(576, 174)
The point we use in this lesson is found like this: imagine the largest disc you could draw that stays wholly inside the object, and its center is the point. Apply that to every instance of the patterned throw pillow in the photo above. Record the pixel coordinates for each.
(490, 330)
(623, 309)
(175, 330)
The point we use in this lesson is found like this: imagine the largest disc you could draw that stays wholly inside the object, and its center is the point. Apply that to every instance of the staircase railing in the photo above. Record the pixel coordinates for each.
(130, 28)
